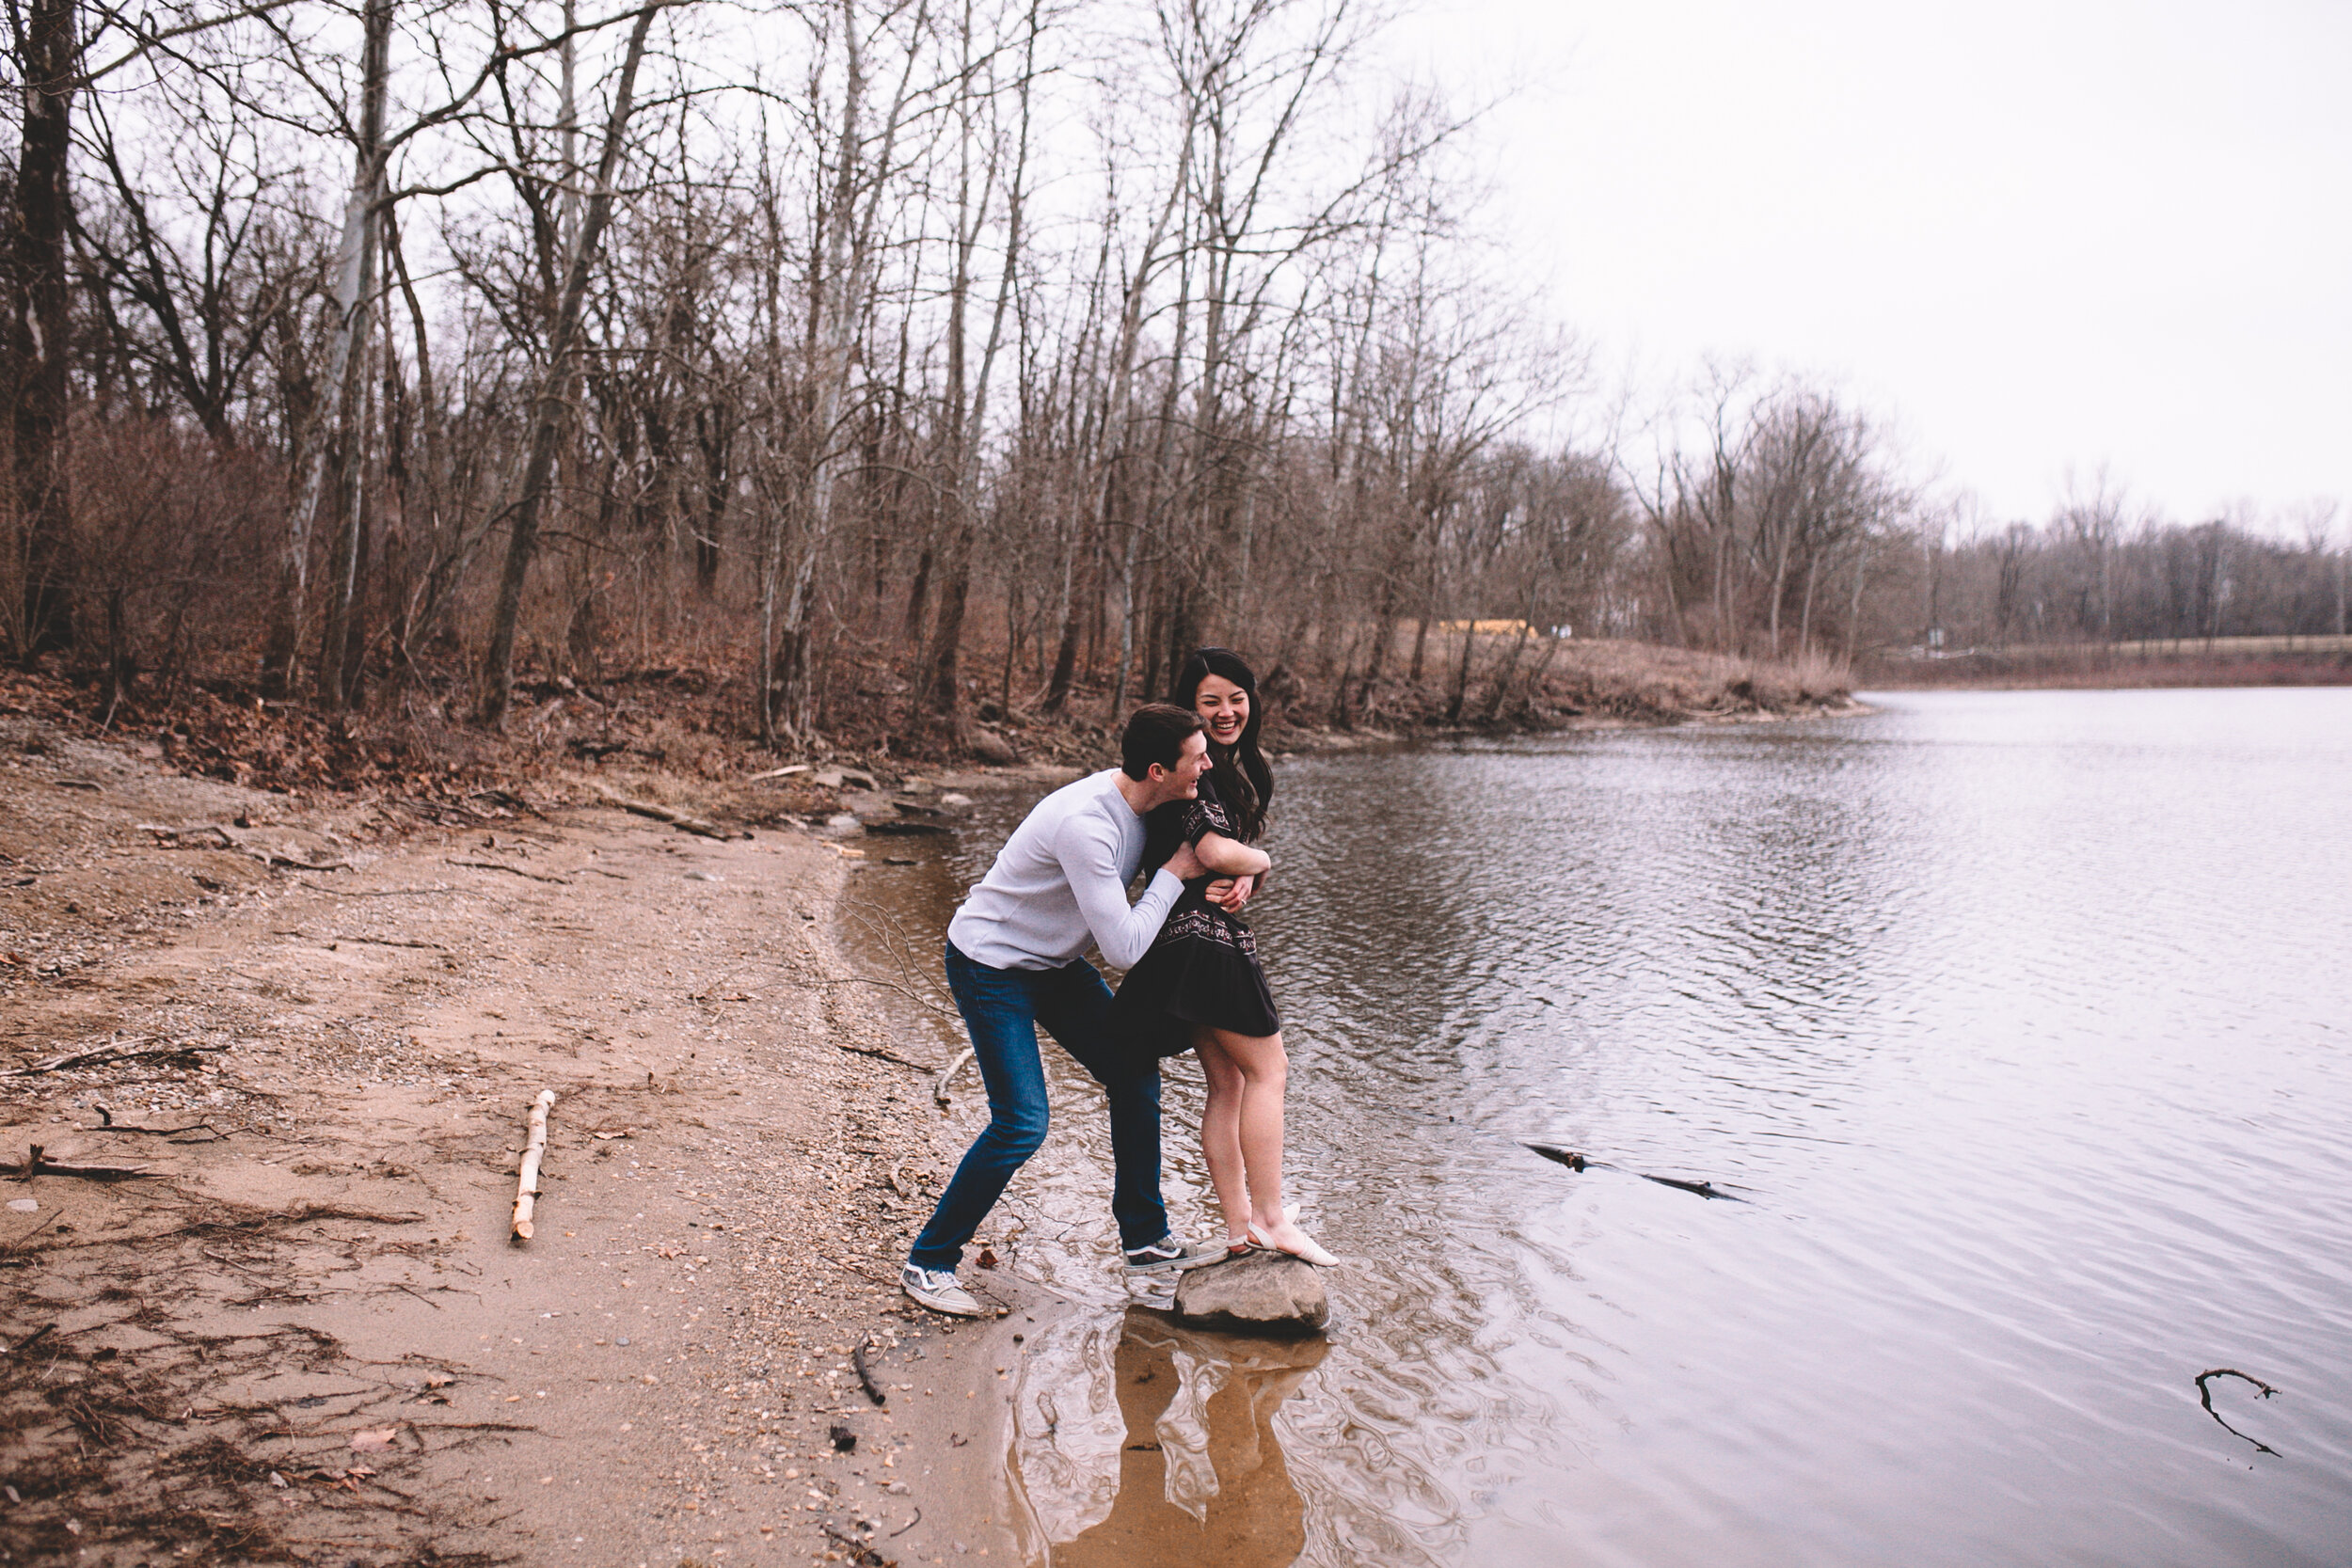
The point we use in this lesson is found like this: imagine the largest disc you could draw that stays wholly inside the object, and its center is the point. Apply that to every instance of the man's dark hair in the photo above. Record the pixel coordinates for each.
(1157, 732)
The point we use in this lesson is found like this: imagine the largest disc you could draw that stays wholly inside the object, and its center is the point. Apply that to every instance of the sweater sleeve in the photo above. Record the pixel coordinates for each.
(1090, 860)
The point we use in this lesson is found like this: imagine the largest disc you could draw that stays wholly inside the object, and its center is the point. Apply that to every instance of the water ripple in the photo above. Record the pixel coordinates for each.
(2019, 1021)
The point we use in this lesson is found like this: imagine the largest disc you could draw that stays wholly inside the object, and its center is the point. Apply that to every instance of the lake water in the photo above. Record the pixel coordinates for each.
(2014, 1025)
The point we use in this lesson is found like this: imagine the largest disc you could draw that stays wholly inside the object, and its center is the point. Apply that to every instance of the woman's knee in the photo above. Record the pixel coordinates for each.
(1218, 1069)
(1262, 1060)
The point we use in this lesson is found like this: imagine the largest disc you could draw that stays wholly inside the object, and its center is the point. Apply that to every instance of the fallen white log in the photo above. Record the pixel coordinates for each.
(528, 1190)
(939, 1089)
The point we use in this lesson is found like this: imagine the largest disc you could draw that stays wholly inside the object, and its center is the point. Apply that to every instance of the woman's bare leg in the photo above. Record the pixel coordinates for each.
(1265, 1072)
(1220, 1135)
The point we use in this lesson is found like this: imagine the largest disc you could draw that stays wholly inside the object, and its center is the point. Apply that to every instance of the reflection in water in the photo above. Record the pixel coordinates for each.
(1139, 1443)
(2018, 1022)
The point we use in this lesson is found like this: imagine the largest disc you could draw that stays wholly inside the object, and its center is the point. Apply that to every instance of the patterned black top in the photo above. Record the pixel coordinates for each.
(1202, 968)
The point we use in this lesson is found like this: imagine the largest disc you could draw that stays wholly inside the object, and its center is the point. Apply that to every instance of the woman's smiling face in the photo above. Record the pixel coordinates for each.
(1223, 707)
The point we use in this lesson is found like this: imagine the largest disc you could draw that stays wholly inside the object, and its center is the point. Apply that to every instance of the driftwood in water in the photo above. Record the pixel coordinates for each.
(2204, 1397)
(527, 1189)
(1574, 1161)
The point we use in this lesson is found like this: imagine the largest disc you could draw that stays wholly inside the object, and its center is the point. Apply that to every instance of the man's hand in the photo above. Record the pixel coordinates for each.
(1185, 865)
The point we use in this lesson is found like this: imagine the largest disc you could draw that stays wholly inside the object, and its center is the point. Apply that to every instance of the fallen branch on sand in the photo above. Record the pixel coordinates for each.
(36, 1163)
(107, 1055)
(876, 1051)
(189, 837)
(499, 865)
(664, 814)
(108, 1124)
(873, 1389)
(30, 1340)
(912, 995)
(507, 798)
(527, 1191)
(939, 1089)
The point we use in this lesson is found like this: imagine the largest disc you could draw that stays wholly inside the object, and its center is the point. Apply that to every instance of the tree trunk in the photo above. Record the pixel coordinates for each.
(40, 329)
(338, 469)
(1081, 590)
(1462, 674)
(552, 407)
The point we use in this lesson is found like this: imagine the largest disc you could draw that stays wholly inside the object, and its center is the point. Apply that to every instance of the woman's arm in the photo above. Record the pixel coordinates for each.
(1231, 857)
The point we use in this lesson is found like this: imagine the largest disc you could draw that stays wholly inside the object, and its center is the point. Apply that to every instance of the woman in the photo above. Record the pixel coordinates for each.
(1199, 988)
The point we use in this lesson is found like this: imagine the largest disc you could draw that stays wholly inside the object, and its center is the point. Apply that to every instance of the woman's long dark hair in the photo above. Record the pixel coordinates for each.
(1242, 780)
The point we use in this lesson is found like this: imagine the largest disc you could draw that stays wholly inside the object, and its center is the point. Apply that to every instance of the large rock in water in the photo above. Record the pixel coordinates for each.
(1258, 1292)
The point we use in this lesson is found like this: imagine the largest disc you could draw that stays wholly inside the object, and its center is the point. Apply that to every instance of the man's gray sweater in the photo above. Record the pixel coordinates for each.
(1061, 880)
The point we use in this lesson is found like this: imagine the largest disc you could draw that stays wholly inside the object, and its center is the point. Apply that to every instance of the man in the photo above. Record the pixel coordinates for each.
(1015, 962)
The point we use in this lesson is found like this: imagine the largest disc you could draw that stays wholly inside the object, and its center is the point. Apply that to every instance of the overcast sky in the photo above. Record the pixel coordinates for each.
(2067, 232)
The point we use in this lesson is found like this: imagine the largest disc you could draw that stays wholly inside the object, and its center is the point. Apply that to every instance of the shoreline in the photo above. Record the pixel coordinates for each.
(733, 1154)
(371, 989)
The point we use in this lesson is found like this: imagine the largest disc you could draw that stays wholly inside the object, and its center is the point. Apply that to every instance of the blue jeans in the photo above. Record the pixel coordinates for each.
(1002, 1009)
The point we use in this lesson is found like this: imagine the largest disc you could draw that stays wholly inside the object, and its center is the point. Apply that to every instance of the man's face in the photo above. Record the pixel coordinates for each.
(1192, 760)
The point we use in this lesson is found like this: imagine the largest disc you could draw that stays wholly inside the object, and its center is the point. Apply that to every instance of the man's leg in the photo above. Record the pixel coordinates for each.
(1074, 1006)
(1001, 1015)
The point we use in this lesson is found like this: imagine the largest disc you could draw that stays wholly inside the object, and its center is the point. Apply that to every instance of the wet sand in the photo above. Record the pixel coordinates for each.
(306, 1335)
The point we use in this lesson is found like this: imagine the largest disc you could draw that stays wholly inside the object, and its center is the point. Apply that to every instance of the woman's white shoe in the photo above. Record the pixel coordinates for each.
(1307, 1251)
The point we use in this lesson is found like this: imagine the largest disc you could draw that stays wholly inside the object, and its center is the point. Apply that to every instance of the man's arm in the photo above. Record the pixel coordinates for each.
(1123, 932)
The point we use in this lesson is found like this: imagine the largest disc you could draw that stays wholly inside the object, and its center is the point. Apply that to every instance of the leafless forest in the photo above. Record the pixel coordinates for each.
(941, 358)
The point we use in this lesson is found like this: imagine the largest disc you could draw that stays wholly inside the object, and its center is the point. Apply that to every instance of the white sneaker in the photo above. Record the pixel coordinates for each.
(937, 1290)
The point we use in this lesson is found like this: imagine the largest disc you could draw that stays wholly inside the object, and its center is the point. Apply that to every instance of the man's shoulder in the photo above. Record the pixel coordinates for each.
(1086, 808)
(1078, 796)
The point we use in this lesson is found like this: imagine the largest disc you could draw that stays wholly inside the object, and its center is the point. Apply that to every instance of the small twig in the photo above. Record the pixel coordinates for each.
(380, 893)
(162, 1132)
(285, 861)
(14, 1242)
(910, 1524)
(853, 1268)
(2204, 1397)
(494, 866)
(885, 1056)
(910, 995)
(859, 1551)
(857, 1359)
(30, 1340)
(414, 1291)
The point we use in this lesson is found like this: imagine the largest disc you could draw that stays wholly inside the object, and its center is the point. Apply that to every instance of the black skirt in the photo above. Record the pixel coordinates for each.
(1203, 969)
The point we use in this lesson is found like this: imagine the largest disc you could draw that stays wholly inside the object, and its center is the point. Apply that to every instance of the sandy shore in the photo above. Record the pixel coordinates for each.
(305, 1336)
